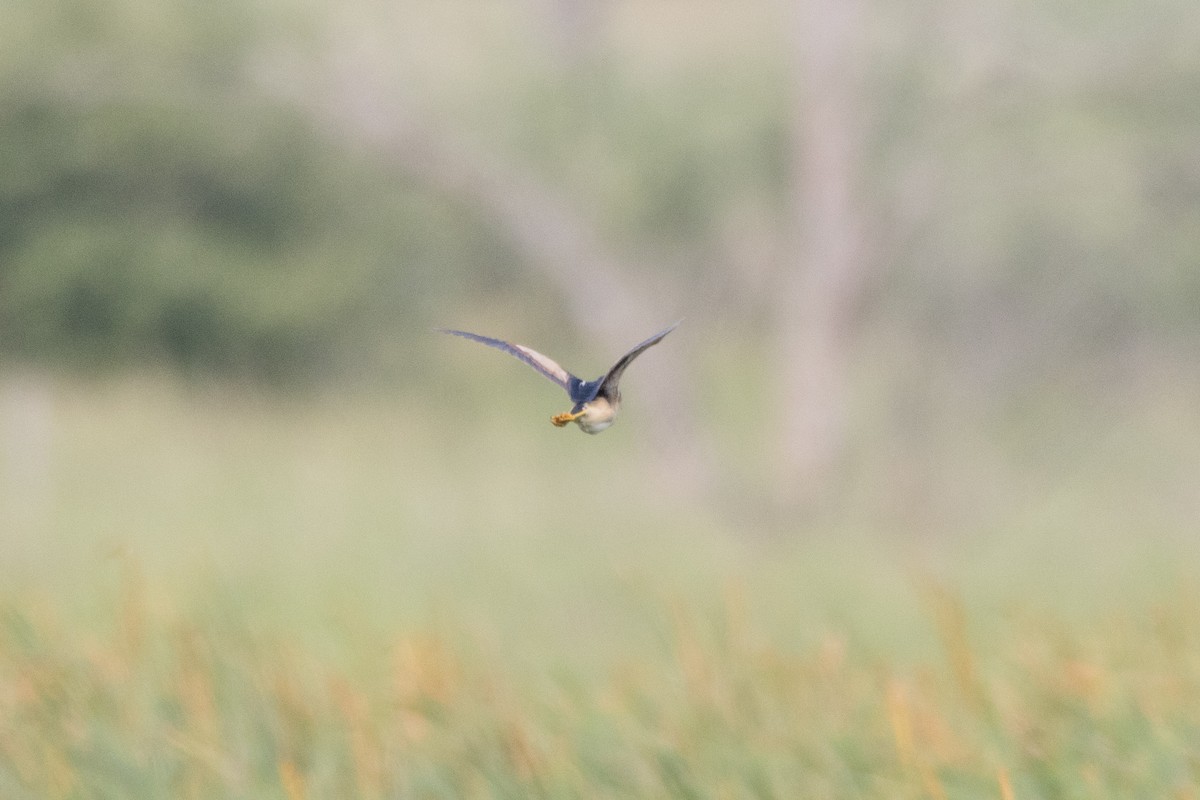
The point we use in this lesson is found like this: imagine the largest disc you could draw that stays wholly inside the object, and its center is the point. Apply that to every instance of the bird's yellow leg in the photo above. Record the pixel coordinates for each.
(559, 420)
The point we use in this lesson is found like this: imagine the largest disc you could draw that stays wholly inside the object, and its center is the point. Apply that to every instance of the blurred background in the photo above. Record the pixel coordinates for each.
(937, 265)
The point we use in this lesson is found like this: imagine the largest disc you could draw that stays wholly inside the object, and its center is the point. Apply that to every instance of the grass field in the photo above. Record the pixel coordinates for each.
(221, 593)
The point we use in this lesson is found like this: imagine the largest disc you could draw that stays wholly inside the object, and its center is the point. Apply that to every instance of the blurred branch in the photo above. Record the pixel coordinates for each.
(558, 243)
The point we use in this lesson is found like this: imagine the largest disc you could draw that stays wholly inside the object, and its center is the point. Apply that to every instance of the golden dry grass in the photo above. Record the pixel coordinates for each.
(221, 594)
(206, 707)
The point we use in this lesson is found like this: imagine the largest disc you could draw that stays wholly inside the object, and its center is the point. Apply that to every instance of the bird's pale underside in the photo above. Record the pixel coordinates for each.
(595, 402)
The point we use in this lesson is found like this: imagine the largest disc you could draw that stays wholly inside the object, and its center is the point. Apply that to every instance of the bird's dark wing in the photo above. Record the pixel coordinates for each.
(543, 364)
(611, 378)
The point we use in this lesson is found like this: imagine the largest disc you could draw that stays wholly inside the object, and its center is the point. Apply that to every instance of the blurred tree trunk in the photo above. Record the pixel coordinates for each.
(822, 286)
(26, 459)
(573, 29)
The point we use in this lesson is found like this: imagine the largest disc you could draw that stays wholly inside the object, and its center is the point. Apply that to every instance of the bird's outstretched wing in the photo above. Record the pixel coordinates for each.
(613, 376)
(543, 364)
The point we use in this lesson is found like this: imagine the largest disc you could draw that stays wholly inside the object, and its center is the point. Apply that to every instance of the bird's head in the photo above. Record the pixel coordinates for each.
(598, 414)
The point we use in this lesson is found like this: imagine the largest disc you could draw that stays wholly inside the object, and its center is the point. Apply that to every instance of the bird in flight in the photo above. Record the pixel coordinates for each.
(596, 402)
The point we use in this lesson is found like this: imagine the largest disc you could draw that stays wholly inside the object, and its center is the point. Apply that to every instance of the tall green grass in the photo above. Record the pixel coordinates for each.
(196, 705)
(211, 592)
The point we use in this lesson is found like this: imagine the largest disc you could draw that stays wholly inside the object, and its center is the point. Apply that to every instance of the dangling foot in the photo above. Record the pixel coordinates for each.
(560, 420)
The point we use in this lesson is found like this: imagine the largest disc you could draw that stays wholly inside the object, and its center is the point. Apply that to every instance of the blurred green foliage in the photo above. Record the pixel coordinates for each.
(151, 209)
(155, 206)
(163, 198)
